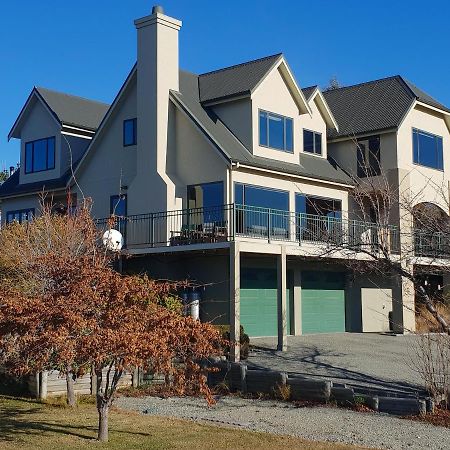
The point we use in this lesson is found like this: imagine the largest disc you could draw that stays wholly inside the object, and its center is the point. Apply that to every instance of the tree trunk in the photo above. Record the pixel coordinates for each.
(103, 411)
(71, 400)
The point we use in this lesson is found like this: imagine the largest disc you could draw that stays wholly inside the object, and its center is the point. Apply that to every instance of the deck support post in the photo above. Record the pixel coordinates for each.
(235, 304)
(282, 300)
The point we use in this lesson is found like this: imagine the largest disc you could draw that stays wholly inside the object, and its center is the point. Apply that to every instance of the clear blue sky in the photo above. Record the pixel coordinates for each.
(87, 47)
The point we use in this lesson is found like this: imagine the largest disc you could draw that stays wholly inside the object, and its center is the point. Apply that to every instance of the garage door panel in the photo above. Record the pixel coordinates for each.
(323, 302)
(259, 303)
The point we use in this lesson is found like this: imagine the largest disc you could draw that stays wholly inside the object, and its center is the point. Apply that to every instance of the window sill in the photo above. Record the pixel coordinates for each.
(427, 167)
(290, 152)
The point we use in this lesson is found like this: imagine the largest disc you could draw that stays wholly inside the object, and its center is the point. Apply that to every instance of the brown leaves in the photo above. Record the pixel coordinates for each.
(62, 305)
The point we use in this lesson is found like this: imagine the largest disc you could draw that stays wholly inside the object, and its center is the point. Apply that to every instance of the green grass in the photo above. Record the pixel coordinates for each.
(27, 424)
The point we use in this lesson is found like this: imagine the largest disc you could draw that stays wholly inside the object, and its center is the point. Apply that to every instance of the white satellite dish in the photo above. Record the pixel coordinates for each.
(113, 240)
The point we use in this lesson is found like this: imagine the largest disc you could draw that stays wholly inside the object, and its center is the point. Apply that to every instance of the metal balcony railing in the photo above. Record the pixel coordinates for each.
(228, 222)
(431, 244)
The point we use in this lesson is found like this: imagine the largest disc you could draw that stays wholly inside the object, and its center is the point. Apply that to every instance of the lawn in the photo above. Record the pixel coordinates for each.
(27, 424)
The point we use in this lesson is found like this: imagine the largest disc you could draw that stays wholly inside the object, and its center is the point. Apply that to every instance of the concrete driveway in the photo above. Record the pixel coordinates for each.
(372, 362)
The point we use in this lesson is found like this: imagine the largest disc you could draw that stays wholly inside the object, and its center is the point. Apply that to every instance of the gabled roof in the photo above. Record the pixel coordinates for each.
(188, 100)
(66, 109)
(74, 110)
(235, 81)
(375, 105)
(308, 91)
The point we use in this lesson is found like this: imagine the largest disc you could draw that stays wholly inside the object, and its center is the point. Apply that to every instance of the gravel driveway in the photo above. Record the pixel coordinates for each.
(381, 362)
(317, 423)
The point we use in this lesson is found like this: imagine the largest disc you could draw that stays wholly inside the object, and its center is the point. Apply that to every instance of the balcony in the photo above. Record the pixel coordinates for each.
(226, 223)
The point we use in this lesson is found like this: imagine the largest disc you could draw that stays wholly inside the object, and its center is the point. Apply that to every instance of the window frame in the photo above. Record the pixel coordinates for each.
(134, 122)
(335, 201)
(436, 137)
(264, 188)
(28, 211)
(314, 133)
(280, 116)
(32, 143)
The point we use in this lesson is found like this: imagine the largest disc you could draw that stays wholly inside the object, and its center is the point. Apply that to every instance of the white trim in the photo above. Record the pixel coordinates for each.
(324, 109)
(78, 128)
(34, 93)
(289, 175)
(362, 135)
(297, 93)
(77, 135)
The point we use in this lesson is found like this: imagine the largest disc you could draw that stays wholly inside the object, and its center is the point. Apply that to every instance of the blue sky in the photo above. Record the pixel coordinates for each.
(87, 47)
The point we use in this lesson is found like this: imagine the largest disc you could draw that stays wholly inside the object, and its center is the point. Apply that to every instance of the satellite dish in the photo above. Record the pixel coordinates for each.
(113, 240)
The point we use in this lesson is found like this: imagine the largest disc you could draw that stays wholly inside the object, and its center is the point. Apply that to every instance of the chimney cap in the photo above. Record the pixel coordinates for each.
(157, 9)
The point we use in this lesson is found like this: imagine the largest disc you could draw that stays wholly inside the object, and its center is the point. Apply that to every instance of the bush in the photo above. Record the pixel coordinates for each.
(244, 340)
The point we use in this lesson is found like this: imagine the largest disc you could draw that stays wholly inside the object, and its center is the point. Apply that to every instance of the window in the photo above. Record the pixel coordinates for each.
(253, 216)
(318, 218)
(427, 149)
(20, 215)
(368, 157)
(40, 155)
(209, 197)
(276, 131)
(312, 142)
(129, 132)
(118, 205)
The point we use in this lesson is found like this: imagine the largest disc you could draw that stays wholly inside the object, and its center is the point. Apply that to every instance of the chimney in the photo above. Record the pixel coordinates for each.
(157, 74)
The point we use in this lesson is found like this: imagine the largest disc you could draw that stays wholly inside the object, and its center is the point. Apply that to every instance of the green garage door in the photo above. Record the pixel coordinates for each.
(259, 302)
(323, 302)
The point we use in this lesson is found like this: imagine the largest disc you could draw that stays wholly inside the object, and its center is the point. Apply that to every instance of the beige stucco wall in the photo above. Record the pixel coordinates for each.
(237, 116)
(109, 164)
(193, 159)
(344, 152)
(39, 125)
(424, 180)
(273, 95)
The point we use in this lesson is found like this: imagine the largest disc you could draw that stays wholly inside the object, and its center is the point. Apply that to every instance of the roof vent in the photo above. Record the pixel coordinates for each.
(157, 9)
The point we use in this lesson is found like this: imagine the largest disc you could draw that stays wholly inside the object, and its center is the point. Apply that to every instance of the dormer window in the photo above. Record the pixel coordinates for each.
(40, 155)
(275, 131)
(312, 142)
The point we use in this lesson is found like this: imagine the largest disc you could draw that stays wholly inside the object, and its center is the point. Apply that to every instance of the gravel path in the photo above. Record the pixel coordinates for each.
(318, 423)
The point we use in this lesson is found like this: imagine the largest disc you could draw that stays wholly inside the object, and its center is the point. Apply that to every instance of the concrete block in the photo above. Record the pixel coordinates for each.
(343, 395)
(308, 389)
(402, 406)
(264, 381)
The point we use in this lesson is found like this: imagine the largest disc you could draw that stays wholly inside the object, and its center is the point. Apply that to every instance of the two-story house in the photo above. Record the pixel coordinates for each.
(224, 178)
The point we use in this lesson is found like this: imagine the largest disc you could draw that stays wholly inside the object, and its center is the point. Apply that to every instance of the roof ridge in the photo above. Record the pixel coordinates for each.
(38, 88)
(240, 64)
(364, 83)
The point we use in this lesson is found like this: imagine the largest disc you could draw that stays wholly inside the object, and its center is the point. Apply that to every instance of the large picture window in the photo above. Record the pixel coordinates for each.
(40, 155)
(276, 131)
(427, 149)
(260, 211)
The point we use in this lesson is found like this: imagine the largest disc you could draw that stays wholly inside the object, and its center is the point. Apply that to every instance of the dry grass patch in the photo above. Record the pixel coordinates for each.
(426, 323)
(26, 424)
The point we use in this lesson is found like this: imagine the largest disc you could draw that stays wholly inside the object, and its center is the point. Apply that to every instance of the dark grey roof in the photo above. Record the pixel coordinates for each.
(424, 97)
(235, 151)
(236, 80)
(73, 110)
(11, 186)
(374, 105)
(307, 91)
